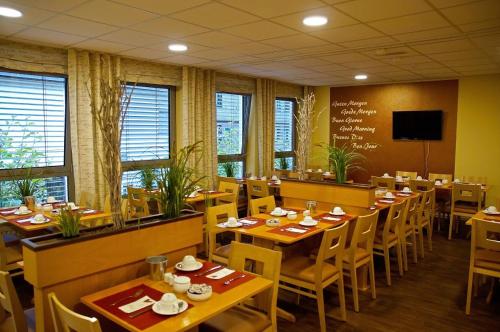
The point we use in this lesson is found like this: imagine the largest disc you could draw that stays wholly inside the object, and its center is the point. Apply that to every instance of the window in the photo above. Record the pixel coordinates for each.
(232, 119)
(284, 133)
(146, 136)
(33, 134)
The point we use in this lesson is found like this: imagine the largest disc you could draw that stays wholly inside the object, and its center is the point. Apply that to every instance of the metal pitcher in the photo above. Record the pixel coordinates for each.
(157, 267)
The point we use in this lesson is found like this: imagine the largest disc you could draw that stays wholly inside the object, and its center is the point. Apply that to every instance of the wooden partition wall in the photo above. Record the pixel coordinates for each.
(83, 267)
(295, 193)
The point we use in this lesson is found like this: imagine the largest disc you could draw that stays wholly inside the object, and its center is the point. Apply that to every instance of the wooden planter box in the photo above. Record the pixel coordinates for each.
(102, 257)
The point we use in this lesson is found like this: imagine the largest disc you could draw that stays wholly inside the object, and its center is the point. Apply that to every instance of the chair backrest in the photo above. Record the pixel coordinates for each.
(485, 235)
(215, 215)
(226, 179)
(257, 188)
(137, 202)
(394, 219)
(332, 246)
(407, 175)
(381, 182)
(10, 303)
(66, 320)
(293, 175)
(437, 176)
(269, 267)
(469, 193)
(228, 187)
(421, 185)
(261, 205)
(316, 176)
(411, 210)
(475, 179)
(363, 234)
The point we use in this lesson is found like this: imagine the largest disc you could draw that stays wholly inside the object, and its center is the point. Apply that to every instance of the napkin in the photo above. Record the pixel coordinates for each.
(331, 218)
(24, 220)
(8, 212)
(137, 305)
(220, 273)
(386, 201)
(89, 211)
(248, 222)
(296, 230)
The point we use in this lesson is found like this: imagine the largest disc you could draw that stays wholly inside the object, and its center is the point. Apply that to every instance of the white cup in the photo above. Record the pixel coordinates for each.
(253, 177)
(419, 178)
(181, 284)
(23, 209)
(457, 180)
(169, 302)
(51, 199)
(274, 178)
(308, 219)
(438, 183)
(169, 278)
(278, 181)
(39, 217)
(292, 215)
(277, 211)
(492, 209)
(386, 175)
(320, 170)
(328, 173)
(445, 181)
(389, 195)
(188, 262)
(406, 189)
(399, 178)
(306, 213)
(232, 221)
(263, 178)
(337, 210)
(47, 208)
(71, 205)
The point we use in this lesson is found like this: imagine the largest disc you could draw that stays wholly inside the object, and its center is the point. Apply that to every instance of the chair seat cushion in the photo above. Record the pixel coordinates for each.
(223, 251)
(302, 268)
(237, 319)
(8, 324)
(360, 254)
(391, 237)
(488, 259)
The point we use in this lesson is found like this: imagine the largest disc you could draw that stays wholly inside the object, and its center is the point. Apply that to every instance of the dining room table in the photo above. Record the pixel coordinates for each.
(483, 216)
(145, 319)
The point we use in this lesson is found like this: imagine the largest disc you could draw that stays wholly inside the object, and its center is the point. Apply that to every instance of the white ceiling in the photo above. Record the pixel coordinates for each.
(390, 40)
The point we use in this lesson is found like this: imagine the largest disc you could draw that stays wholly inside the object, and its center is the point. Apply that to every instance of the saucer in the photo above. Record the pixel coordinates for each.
(337, 214)
(196, 267)
(38, 222)
(236, 225)
(491, 213)
(308, 224)
(389, 197)
(19, 213)
(156, 308)
(406, 192)
(283, 213)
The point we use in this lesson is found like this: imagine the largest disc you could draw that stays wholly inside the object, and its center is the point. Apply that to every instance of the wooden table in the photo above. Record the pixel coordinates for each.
(484, 216)
(191, 318)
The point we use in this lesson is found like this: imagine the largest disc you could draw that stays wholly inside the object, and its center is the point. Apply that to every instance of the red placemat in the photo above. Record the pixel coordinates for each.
(217, 285)
(27, 223)
(295, 210)
(259, 222)
(142, 321)
(343, 219)
(8, 211)
(282, 230)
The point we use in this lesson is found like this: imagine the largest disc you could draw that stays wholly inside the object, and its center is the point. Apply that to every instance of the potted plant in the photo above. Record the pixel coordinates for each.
(343, 159)
(229, 168)
(283, 163)
(147, 176)
(27, 187)
(69, 222)
(177, 180)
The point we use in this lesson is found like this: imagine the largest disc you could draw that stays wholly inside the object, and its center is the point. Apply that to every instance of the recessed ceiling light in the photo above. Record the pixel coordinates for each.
(361, 77)
(10, 12)
(315, 21)
(177, 47)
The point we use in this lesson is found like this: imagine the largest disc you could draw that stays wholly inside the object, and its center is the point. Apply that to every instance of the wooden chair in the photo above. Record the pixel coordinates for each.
(475, 179)
(257, 188)
(407, 175)
(66, 320)
(388, 237)
(262, 315)
(424, 219)
(226, 179)
(484, 253)
(12, 316)
(360, 253)
(381, 182)
(228, 187)
(137, 202)
(261, 205)
(11, 258)
(465, 202)
(302, 272)
(215, 215)
(437, 176)
(421, 186)
(316, 176)
(408, 229)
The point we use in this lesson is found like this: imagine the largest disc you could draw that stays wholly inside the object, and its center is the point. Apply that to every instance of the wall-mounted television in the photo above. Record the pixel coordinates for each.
(417, 125)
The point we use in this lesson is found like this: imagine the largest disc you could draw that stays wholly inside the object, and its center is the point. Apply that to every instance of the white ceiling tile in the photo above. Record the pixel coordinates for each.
(363, 64)
(48, 36)
(345, 58)
(320, 50)
(111, 13)
(307, 62)
(436, 71)
(329, 68)
(279, 55)
(370, 42)
(266, 8)
(402, 75)
(8, 28)
(164, 46)
(53, 5)
(182, 60)
(295, 41)
(252, 48)
(458, 55)
(347, 33)
(406, 60)
(76, 26)
(369, 10)
(480, 25)
(380, 69)
(131, 37)
(215, 39)
(473, 12)
(410, 23)
(102, 46)
(445, 46)
(427, 35)
(260, 30)
(146, 53)
(492, 67)
(467, 62)
(168, 27)
(335, 19)
(215, 54)
(31, 15)
(448, 3)
(162, 7)
(214, 16)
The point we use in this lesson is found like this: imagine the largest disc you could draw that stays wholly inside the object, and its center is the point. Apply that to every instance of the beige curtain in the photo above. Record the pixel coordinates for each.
(260, 148)
(85, 70)
(199, 119)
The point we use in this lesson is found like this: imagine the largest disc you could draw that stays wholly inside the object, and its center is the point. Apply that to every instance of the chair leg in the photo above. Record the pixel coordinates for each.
(414, 240)
(421, 240)
(340, 283)
(429, 236)
(321, 309)
(387, 265)
(405, 252)
(371, 269)
(450, 230)
(354, 285)
(400, 258)
(469, 291)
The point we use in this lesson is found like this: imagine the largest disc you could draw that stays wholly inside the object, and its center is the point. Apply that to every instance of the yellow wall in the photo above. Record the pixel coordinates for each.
(478, 131)
(318, 156)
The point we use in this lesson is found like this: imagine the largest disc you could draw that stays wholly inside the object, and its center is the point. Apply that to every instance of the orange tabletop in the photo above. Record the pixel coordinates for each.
(484, 216)
(200, 312)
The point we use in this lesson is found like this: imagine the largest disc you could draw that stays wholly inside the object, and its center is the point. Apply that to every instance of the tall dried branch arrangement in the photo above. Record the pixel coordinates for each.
(305, 123)
(108, 111)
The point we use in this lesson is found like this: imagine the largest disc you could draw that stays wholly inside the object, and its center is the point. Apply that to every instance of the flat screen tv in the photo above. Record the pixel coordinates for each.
(417, 125)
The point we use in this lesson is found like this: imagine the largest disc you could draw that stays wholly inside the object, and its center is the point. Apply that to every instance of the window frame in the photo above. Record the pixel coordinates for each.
(287, 154)
(65, 170)
(135, 165)
(241, 157)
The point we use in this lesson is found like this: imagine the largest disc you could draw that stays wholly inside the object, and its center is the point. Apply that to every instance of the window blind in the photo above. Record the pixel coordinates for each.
(146, 128)
(283, 125)
(32, 120)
